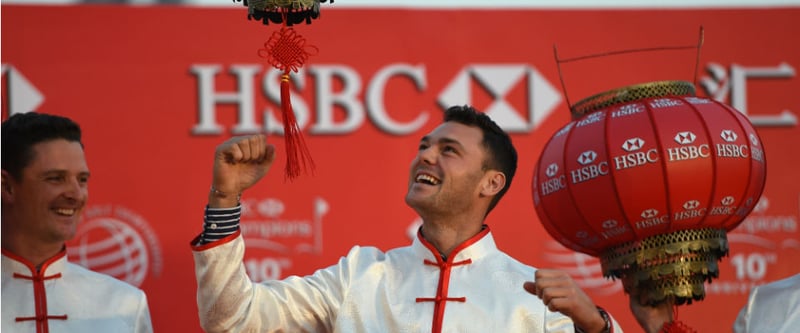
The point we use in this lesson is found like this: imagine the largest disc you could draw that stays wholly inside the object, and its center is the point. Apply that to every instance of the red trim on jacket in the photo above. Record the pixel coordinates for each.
(442, 296)
(221, 241)
(38, 278)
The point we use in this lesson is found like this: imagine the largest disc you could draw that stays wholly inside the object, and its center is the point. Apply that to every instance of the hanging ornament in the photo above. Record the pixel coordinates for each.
(650, 178)
(287, 51)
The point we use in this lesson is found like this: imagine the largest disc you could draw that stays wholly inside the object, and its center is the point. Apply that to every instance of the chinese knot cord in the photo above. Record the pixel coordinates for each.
(287, 51)
(676, 326)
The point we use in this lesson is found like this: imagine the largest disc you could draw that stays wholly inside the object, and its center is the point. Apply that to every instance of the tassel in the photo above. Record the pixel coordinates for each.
(676, 326)
(287, 51)
(298, 158)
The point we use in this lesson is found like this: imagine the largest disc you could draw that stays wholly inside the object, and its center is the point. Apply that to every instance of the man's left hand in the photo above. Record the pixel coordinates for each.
(560, 293)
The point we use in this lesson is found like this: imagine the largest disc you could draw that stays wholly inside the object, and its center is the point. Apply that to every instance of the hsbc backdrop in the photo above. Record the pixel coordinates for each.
(157, 88)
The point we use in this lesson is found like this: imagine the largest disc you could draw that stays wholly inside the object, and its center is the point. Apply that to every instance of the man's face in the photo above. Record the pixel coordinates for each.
(46, 204)
(448, 170)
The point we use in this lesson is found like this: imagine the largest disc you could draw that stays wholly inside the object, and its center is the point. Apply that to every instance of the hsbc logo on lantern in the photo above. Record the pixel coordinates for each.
(686, 150)
(726, 208)
(589, 170)
(586, 239)
(633, 144)
(727, 201)
(730, 149)
(664, 103)
(650, 218)
(612, 228)
(627, 110)
(553, 184)
(753, 139)
(691, 209)
(587, 157)
(728, 135)
(685, 138)
(756, 153)
(648, 213)
(343, 100)
(552, 169)
(636, 157)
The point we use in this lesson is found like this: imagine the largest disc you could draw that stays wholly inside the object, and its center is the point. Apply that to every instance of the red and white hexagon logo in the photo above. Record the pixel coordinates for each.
(649, 213)
(587, 157)
(728, 135)
(685, 138)
(691, 204)
(633, 144)
(551, 170)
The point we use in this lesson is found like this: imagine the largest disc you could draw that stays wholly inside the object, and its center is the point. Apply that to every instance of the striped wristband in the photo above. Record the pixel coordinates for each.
(219, 223)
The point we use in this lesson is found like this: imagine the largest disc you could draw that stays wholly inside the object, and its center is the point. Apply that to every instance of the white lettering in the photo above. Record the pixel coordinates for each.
(589, 172)
(208, 98)
(731, 150)
(664, 102)
(688, 152)
(627, 110)
(347, 99)
(722, 210)
(553, 185)
(635, 159)
(687, 214)
(375, 104)
(614, 232)
(652, 222)
(591, 118)
(758, 154)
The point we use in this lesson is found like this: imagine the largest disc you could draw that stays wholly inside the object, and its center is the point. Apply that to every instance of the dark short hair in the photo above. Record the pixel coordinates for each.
(22, 131)
(502, 154)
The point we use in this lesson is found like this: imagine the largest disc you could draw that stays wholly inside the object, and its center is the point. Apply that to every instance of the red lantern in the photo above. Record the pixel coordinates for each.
(650, 178)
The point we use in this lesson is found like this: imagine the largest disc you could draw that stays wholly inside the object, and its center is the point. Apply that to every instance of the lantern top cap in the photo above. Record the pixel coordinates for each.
(630, 94)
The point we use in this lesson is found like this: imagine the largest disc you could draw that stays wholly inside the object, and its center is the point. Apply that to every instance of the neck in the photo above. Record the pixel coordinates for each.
(447, 236)
(34, 251)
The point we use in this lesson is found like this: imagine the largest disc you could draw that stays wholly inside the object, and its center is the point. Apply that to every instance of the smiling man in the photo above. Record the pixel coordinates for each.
(44, 190)
(452, 278)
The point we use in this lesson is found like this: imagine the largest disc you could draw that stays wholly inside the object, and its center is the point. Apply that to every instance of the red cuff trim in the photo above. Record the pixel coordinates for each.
(227, 239)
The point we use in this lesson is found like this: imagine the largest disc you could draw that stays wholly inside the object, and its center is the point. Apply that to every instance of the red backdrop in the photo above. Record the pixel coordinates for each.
(156, 88)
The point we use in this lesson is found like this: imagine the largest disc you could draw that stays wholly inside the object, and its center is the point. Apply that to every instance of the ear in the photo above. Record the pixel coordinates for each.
(494, 181)
(7, 189)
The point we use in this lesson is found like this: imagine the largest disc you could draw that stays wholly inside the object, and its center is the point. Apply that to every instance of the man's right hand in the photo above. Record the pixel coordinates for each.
(239, 163)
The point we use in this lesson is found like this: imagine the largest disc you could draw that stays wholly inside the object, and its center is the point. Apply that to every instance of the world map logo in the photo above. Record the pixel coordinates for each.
(116, 243)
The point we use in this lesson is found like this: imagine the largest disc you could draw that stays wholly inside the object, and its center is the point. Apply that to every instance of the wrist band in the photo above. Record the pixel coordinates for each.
(606, 319)
(225, 195)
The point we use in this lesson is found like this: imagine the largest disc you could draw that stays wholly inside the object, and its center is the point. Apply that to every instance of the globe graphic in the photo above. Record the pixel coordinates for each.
(110, 246)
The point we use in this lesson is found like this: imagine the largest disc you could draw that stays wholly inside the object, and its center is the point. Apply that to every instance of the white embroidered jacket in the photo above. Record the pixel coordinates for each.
(773, 307)
(64, 297)
(408, 289)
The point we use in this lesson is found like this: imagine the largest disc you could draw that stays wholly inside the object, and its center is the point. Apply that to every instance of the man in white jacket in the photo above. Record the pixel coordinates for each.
(44, 190)
(452, 278)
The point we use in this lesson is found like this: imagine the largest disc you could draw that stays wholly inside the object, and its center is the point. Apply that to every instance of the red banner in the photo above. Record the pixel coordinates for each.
(156, 88)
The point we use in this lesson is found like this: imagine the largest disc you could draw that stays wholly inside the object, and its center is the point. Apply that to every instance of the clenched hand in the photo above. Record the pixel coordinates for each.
(560, 293)
(239, 163)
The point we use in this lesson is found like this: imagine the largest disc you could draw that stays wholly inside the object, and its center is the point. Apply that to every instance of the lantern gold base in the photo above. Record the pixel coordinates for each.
(631, 94)
(667, 267)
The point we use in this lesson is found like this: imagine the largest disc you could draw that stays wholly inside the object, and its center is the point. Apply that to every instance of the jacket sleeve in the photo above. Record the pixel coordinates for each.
(143, 323)
(228, 301)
